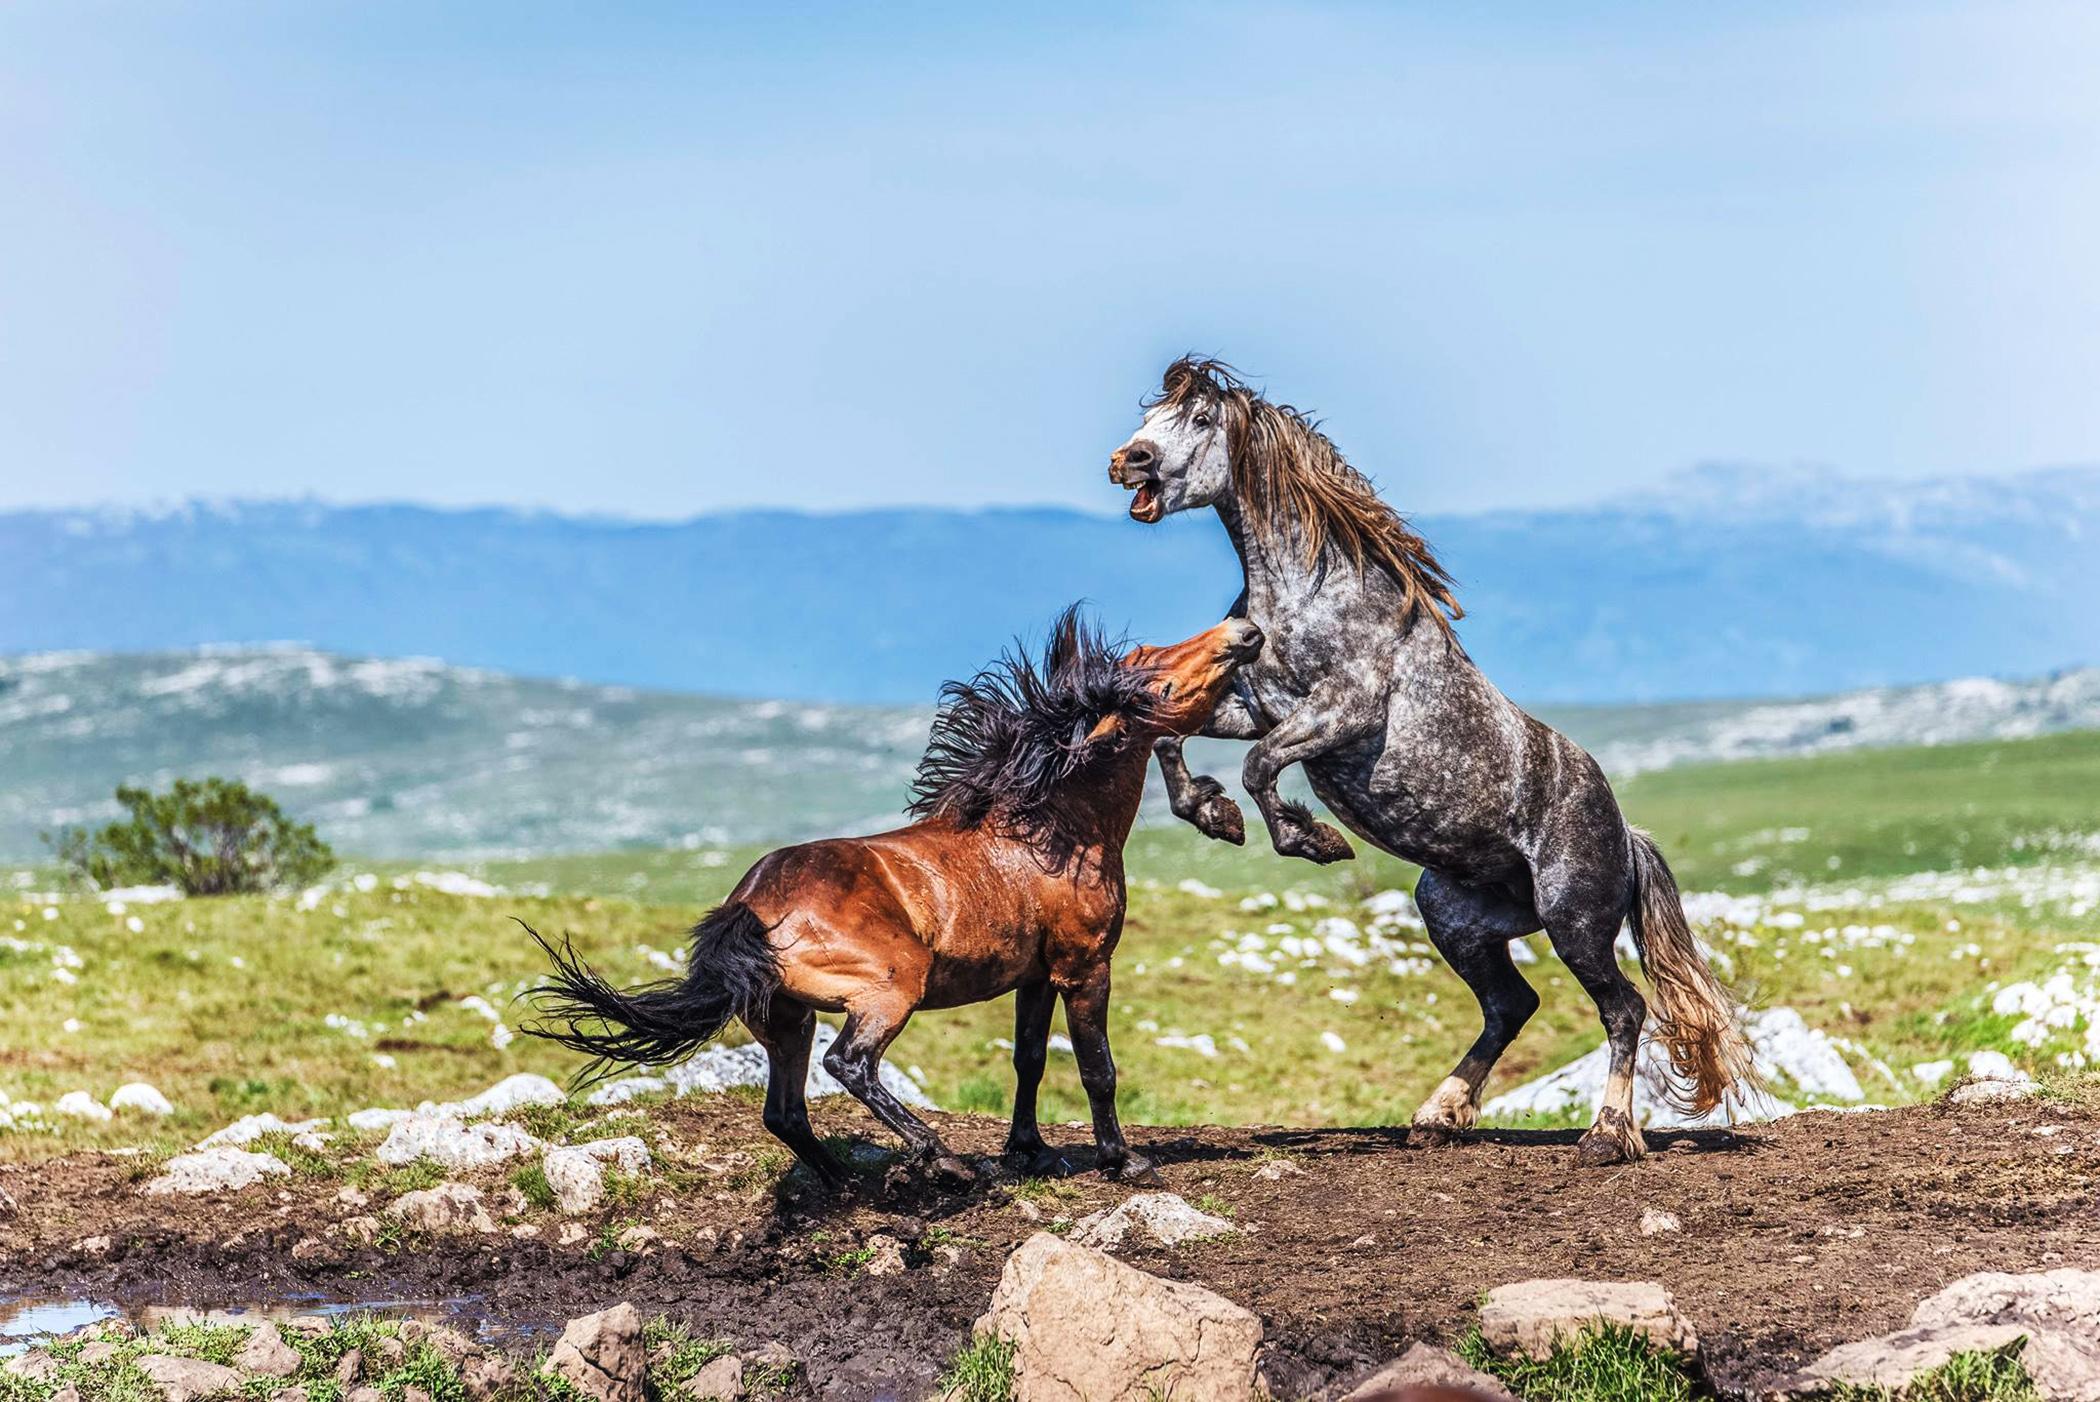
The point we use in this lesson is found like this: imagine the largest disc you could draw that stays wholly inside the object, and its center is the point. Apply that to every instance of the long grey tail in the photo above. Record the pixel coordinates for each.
(732, 971)
(1694, 1013)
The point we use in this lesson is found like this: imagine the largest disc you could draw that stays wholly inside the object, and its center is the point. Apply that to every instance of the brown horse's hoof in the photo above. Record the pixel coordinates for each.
(1040, 1162)
(1421, 1136)
(1220, 819)
(1136, 1170)
(948, 1171)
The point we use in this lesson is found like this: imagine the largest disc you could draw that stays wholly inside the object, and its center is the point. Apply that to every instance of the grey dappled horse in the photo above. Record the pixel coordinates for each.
(1364, 683)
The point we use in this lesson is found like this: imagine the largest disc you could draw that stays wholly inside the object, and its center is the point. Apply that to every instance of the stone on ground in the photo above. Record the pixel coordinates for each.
(79, 1105)
(1087, 1328)
(1530, 1316)
(721, 1380)
(183, 1379)
(601, 1355)
(1655, 1221)
(1159, 1217)
(249, 1128)
(1426, 1365)
(142, 1098)
(453, 1143)
(2056, 1312)
(449, 1207)
(266, 1354)
(221, 1170)
(576, 1173)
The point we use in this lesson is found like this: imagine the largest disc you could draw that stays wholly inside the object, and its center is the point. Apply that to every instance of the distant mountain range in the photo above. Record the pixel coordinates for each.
(414, 758)
(1725, 582)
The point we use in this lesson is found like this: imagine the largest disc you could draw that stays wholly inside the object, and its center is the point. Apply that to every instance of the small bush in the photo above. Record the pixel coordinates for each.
(982, 1372)
(1993, 1376)
(210, 837)
(1609, 1364)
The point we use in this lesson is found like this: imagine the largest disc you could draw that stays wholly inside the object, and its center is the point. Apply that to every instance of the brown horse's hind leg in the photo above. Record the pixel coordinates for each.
(1025, 1149)
(785, 1029)
(856, 1060)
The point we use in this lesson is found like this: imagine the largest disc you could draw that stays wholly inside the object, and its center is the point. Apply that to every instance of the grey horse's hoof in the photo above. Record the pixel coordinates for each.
(1612, 1140)
(1136, 1170)
(1318, 843)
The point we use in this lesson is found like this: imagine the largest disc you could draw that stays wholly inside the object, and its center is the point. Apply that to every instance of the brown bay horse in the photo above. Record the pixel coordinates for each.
(1010, 880)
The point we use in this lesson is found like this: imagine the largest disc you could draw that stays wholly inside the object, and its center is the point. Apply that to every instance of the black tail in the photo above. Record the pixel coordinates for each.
(732, 971)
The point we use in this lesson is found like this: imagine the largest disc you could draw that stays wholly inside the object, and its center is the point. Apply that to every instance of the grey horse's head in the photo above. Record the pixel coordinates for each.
(1180, 457)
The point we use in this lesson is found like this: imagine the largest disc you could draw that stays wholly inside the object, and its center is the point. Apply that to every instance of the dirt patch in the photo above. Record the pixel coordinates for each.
(1800, 1235)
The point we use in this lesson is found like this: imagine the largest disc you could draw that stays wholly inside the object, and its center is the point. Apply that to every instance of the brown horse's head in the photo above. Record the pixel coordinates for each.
(1189, 678)
(1009, 743)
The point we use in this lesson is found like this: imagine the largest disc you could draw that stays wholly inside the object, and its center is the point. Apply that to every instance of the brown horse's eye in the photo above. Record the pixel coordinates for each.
(1166, 690)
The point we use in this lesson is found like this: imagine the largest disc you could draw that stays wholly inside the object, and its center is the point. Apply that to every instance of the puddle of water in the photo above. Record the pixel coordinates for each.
(28, 1320)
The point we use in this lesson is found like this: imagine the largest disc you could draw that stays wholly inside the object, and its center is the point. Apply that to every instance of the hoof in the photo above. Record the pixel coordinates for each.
(1602, 1147)
(1220, 819)
(1040, 1162)
(1135, 1169)
(1319, 843)
(948, 1171)
(1434, 1136)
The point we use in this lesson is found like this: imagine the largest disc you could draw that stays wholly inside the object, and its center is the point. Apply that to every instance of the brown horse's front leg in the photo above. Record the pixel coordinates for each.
(1086, 1009)
(1025, 1150)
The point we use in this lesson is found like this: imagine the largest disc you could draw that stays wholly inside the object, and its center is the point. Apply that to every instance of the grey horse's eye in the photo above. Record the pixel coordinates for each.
(1203, 421)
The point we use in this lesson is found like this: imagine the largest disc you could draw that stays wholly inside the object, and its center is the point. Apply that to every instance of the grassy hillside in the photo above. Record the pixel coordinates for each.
(353, 997)
(1747, 827)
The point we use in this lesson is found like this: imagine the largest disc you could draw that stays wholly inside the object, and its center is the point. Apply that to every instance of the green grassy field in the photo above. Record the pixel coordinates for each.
(355, 998)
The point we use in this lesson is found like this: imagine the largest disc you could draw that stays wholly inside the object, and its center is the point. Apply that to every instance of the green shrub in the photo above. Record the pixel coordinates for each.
(1608, 1364)
(982, 1372)
(210, 837)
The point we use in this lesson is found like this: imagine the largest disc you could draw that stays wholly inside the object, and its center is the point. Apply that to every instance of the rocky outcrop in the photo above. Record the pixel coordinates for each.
(1530, 1316)
(185, 1379)
(449, 1207)
(601, 1355)
(576, 1173)
(453, 1143)
(1161, 1218)
(222, 1170)
(1425, 1366)
(2056, 1314)
(1087, 1328)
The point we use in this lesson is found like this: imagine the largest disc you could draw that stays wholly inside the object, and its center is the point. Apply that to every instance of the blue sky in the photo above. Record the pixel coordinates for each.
(661, 259)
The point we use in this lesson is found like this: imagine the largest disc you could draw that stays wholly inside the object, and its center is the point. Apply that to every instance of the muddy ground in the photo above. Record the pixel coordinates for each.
(1794, 1237)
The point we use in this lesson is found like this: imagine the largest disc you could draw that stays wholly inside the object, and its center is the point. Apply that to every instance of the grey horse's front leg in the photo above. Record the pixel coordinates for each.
(1324, 722)
(1198, 799)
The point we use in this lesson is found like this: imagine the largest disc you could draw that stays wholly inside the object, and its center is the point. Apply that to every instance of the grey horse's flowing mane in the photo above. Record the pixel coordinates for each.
(1284, 467)
(1006, 740)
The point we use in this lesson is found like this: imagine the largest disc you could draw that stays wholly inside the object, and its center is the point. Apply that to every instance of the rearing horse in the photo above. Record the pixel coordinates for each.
(1363, 682)
(1011, 880)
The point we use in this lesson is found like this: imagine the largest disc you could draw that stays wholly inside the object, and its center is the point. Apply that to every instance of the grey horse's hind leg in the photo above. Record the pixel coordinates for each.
(1584, 928)
(1471, 927)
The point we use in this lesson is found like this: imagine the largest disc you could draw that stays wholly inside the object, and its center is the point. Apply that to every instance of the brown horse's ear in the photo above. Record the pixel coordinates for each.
(1108, 725)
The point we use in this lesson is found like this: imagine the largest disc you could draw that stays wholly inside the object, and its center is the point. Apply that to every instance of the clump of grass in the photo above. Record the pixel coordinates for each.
(1610, 1363)
(983, 1095)
(530, 1178)
(379, 1180)
(214, 1343)
(302, 1161)
(847, 1262)
(1992, 1375)
(766, 1168)
(553, 1123)
(1215, 1206)
(686, 1355)
(1042, 1190)
(982, 1372)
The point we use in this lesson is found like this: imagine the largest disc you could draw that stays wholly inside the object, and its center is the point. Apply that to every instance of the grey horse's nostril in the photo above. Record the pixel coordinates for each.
(1246, 640)
(1140, 456)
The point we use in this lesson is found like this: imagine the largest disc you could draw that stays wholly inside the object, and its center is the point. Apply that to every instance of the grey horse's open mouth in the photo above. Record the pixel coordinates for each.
(1145, 504)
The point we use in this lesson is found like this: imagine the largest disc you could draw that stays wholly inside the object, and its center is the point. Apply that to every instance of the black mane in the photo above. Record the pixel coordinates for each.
(1006, 740)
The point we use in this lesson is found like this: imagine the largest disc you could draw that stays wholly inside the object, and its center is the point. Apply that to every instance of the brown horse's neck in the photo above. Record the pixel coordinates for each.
(1100, 804)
